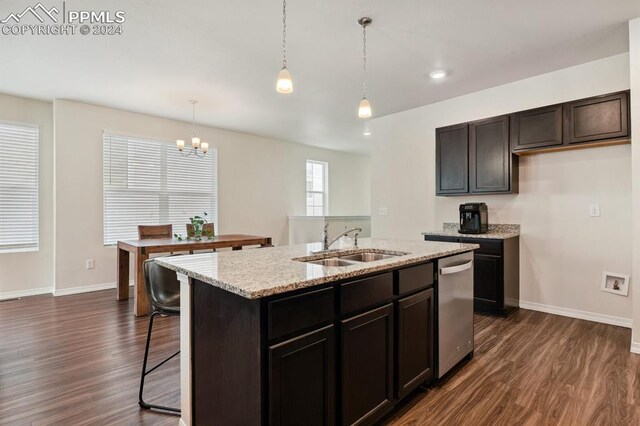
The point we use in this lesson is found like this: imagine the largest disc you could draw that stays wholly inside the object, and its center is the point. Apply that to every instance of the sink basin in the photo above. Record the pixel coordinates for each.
(367, 257)
(331, 262)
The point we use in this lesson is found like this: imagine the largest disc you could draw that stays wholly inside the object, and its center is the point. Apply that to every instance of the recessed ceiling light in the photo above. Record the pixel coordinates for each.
(438, 74)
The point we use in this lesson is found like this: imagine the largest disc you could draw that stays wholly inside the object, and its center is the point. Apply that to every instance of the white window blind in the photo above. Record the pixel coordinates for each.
(316, 188)
(18, 187)
(148, 182)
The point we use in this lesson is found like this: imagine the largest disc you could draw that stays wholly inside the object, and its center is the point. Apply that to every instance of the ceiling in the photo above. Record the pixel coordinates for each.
(227, 55)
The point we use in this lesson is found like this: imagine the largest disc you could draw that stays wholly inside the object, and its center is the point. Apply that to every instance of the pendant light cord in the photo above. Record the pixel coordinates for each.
(364, 61)
(284, 33)
(193, 118)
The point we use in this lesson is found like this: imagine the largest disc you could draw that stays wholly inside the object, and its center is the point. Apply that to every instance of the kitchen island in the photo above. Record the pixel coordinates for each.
(285, 336)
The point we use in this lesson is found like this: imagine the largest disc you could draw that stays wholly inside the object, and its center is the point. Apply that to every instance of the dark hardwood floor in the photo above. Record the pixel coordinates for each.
(75, 360)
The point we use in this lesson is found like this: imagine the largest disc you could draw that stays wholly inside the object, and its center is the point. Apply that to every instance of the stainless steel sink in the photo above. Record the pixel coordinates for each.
(367, 257)
(350, 259)
(331, 262)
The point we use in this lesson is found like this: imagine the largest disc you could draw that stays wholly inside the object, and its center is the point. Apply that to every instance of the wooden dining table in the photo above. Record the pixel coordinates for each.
(145, 247)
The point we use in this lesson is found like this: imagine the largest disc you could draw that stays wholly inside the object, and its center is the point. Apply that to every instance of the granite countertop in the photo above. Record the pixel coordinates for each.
(256, 273)
(496, 231)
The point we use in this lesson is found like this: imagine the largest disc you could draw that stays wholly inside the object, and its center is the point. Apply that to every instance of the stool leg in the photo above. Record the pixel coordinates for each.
(144, 373)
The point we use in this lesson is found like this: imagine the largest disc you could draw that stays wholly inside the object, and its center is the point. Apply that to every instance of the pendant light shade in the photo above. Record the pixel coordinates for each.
(364, 110)
(285, 83)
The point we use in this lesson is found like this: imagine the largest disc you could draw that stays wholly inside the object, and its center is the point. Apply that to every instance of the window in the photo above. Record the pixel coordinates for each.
(18, 187)
(317, 188)
(147, 182)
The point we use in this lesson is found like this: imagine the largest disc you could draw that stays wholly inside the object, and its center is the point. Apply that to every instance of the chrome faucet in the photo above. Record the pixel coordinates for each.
(325, 236)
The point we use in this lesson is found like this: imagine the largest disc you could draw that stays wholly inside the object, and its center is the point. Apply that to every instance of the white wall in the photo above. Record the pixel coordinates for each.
(563, 251)
(260, 182)
(32, 270)
(634, 73)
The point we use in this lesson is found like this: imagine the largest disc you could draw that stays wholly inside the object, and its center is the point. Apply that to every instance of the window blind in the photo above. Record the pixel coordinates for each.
(148, 182)
(18, 187)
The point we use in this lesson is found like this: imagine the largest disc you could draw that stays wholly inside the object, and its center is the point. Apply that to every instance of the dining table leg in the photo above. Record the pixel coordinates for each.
(140, 304)
(123, 274)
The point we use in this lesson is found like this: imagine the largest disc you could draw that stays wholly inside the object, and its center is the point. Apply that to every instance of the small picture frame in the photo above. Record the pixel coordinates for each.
(615, 283)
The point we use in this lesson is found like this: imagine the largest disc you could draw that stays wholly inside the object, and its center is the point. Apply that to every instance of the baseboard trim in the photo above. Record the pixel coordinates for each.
(25, 293)
(635, 347)
(85, 289)
(575, 313)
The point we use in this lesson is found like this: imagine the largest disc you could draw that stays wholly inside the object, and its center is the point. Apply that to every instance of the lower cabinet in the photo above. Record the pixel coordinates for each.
(302, 380)
(415, 325)
(367, 366)
(487, 293)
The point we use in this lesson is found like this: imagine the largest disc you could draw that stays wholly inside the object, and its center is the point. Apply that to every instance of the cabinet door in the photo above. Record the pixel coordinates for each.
(302, 380)
(452, 160)
(537, 128)
(598, 118)
(489, 155)
(367, 366)
(415, 317)
(487, 282)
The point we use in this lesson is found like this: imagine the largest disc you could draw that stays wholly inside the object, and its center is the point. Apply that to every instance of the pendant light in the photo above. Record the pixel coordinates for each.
(196, 144)
(364, 109)
(284, 84)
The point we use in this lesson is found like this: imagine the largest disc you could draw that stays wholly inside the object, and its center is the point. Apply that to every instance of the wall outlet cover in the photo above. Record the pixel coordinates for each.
(90, 264)
(383, 211)
(594, 210)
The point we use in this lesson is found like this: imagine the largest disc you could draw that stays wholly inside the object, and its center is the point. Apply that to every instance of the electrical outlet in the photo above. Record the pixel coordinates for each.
(383, 211)
(594, 210)
(90, 264)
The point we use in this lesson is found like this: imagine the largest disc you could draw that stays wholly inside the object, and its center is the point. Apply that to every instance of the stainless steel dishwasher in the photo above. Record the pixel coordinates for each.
(455, 310)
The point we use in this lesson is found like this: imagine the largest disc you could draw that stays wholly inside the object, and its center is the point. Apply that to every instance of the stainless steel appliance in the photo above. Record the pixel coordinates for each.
(474, 218)
(455, 310)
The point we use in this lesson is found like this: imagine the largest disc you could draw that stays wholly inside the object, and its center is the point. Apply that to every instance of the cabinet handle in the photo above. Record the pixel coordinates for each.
(456, 269)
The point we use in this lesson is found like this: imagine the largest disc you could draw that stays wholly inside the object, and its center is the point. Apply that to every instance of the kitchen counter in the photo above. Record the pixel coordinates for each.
(496, 231)
(258, 273)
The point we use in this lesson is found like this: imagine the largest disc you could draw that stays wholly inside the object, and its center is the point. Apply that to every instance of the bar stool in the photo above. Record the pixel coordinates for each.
(163, 291)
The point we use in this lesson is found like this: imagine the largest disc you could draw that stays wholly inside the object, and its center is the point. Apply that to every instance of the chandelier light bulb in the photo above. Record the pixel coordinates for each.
(364, 109)
(195, 142)
(205, 147)
(180, 144)
(285, 83)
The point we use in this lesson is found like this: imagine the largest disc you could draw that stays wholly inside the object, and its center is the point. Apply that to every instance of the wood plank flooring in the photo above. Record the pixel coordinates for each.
(76, 360)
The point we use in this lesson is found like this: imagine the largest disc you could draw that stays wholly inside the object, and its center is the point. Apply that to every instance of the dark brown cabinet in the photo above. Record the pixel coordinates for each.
(302, 380)
(597, 118)
(367, 366)
(490, 162)
(537, 128)
(343, 353)
(496, 272)
(415, 318)
(452, 160)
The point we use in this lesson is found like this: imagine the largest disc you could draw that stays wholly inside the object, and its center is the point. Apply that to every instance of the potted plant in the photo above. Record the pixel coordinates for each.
(197, 228)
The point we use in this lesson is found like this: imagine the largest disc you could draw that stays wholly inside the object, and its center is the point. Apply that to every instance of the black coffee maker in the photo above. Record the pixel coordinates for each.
(474, 218)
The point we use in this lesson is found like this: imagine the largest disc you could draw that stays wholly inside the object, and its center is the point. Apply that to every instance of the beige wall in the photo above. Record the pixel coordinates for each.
(260, 182)
(32, 270)
(563, 250)
(634, 73)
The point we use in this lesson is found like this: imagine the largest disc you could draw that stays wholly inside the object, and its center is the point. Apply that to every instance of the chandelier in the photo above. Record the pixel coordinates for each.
(198, 149)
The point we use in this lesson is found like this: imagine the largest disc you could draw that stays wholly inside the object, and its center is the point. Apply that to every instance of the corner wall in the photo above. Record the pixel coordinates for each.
(634, 71)
(563, 251)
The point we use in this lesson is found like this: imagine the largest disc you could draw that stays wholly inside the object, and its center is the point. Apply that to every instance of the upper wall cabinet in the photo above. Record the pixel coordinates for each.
(475, 158)
(490, 155)
(537, 128)
(596, 119)
(452, 160)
